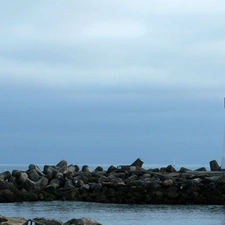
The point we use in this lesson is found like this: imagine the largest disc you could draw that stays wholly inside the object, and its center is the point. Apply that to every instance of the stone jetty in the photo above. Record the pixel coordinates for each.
(125, 184)
(45, 221)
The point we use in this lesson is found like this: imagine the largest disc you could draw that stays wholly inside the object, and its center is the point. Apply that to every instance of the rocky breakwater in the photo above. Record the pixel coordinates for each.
(45, 221)
(130, 184)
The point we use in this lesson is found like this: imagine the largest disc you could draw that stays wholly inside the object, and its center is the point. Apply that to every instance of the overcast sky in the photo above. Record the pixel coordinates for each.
(100, 81)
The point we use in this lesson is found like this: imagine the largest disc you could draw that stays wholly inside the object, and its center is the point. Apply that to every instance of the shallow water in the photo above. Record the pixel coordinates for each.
(111, 214)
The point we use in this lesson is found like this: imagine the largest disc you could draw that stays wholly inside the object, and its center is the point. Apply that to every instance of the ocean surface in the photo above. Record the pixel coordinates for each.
(116, 214)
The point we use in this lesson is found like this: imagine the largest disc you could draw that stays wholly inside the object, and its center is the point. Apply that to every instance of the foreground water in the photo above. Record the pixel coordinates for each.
(115, 214)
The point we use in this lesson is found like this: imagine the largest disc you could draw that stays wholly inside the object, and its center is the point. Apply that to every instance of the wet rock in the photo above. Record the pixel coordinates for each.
(99, 169)
(85, 169)
(77, 182)
(111, 169)
(82, 221)
(12, 220)
(214, 166)
(138, 162)
(172, 192)
(170, 169)
(45, 221)
(168, 182)
(5, 175)
(51, 170)
(36, 168)
(54, 184)
(201, 169)
(62, 163)
(33, 175)
(184, 170)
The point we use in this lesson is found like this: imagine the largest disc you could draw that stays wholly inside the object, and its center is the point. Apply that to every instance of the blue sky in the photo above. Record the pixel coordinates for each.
(110, 81)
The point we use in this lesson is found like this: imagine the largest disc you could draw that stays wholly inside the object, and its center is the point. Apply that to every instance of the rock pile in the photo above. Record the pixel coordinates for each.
(125, 184)
(44, 221)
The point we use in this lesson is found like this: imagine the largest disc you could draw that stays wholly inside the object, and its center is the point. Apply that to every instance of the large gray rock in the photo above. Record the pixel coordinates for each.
(45, 221)
(214, 166)
(85, 169)
(138, 162)
(5, 175)
(62, 163)
(12, 221)
(82, 221)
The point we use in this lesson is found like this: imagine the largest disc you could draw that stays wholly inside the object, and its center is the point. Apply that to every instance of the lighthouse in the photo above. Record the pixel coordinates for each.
(223, 155)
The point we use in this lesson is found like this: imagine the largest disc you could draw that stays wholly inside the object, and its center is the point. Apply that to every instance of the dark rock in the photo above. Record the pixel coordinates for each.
(98, 169)
(5, 175)
(214, 166)
(72, 169)
(85, 169)
(68, 184)
(168, 182)
(170, 169)
(111, 169)
(33, 175)
(44, 221)
(77, 168)
(36, 168)
(172, 192)
(184, 170)
(62, 163)
(155, 170)
(12, 220)
(77, 182)
(84, 187)
(201, 169)
(27, 196)
(163, 169)
(67, 194)
(50, 170)
(82, 221)
(54, 184)
(138, 162)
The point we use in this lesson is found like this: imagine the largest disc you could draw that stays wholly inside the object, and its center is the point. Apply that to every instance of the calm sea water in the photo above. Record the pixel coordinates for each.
(116, 214)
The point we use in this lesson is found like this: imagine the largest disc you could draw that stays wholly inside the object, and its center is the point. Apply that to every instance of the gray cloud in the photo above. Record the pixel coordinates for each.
(118, 76)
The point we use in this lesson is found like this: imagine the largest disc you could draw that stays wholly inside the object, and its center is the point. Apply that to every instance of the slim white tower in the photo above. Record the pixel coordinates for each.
(223, 156)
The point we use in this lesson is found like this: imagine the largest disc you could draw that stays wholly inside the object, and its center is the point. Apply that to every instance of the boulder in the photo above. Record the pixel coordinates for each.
(54, 184)
(44, 221)
(201, 169)
(36, 168)
(85, 169)
(170, 169)
(167, 182)
(214, 166)
(99, 169)
(111, 169)
(184, 170)
(138, 162)
(51, 170)
(33, 175)
(77, 182)
(82, 221)
(5, 175)
(12, 220)
(62, 163)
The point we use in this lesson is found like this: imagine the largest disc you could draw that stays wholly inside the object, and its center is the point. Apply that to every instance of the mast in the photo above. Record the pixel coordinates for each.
(223, 155)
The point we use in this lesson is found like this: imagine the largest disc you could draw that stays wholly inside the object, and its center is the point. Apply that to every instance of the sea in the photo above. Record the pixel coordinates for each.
(116, 214)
